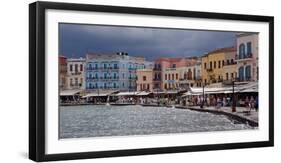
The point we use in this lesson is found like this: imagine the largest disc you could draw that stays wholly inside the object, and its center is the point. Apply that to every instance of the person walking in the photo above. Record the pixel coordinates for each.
(247, 103)
(252, 103)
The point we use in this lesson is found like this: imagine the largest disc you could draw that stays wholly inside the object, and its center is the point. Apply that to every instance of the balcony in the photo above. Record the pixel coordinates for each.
(209, 69)
(76, 86)
(76, 73)
(157, 69)
(132, 78)
(102, 68)
(156, 79)
(248, 56)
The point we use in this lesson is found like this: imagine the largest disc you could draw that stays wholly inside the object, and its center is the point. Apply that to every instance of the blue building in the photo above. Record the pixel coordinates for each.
(113, 71)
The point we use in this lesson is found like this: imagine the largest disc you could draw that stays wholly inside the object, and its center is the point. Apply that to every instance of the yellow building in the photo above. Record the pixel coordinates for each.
(144, 80)
(218, 65)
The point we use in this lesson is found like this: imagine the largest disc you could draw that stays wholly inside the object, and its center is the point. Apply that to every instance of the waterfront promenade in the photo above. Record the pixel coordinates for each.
(242, 114)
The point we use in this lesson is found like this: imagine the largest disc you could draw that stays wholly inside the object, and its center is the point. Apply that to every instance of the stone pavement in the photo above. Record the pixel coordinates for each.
(242, 113)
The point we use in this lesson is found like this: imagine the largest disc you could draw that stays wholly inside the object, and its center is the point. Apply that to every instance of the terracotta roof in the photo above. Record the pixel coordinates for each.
(221, 50)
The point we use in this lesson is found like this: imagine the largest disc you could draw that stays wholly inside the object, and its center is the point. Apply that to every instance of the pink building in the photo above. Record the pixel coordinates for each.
(247, 57)
(162, 64)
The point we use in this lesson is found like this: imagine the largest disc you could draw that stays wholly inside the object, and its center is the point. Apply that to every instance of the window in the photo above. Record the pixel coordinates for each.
(169, 76)
(71, 67)
(215, 64)
(144, 78)
(222, 62)
(96, 66)
(76, 67)
(173, 77)
(165, 76)
(226, 75)
(241, 51)
(76, 81)
(219, 64)
(227, 62)
(71, 81)
(104, 66)
(211, 65)
(257, 73)
(115, 66)
(81, 67)
(248, 72)
(174, 66)
(249, 48)
(114, 85)
(97, 76)
(177, 76)
(189, 74)
(232, 61)
(205, 65)
(241, 73)
(104, 85)
(232, 76)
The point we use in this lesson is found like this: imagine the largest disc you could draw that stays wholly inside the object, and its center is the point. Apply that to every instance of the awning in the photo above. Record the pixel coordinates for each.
(69, 92)
(127, 94)
(94, 95)
(99, 94)
(143, 93)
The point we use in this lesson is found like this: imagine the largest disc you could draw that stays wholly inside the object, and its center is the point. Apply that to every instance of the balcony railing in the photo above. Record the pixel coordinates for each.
(102, 68)
(247, 56)
(209, 69)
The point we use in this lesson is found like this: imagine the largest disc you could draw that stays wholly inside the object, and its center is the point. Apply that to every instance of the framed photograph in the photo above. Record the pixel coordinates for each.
(110, 81)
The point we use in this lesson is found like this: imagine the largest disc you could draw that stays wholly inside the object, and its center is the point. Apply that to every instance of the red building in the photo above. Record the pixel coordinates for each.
(62, 71)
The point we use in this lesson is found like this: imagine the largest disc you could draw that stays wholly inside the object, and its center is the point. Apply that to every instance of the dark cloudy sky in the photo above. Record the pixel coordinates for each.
(76, 40)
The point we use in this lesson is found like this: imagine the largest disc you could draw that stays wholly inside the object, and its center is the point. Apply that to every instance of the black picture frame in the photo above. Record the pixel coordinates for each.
(37, 80)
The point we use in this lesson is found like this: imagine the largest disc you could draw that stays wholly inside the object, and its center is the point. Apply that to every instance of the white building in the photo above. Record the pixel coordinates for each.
(75, 73)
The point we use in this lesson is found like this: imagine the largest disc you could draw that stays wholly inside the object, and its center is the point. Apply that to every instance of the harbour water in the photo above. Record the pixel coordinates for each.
(107, 120)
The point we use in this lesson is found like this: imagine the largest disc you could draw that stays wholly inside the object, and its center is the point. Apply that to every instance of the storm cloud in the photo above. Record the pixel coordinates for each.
(76, 40)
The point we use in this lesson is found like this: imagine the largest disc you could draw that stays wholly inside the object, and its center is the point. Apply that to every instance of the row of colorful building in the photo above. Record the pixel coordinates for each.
(122, 72)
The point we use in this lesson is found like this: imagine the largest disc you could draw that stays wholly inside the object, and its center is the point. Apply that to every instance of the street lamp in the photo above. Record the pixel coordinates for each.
(233, 97)
(202, 104)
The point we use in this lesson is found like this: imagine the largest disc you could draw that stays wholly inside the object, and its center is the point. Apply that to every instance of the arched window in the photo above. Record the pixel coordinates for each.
(248, 72)
(241, 73)
(241, 51)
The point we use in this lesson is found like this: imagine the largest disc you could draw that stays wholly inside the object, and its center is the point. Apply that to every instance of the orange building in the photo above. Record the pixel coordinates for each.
(144, 80)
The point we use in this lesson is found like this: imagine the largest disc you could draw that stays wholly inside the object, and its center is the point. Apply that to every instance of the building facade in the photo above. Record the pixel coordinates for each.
(190, 76)
(145, 80)
(165, 66)
(171, 78)
(218, 65)
(62, 72)
(230, 66)
(247, 57)
(113, 71)
(75, 73)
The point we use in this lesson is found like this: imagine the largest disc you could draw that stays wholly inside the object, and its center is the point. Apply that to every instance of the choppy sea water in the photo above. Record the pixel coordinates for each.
(100, 120)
